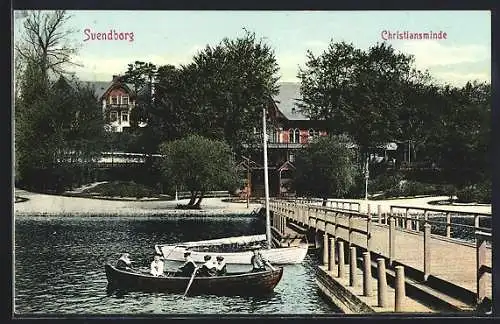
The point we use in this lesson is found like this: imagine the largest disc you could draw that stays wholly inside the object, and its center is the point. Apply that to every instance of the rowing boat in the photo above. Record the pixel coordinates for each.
(230, 284)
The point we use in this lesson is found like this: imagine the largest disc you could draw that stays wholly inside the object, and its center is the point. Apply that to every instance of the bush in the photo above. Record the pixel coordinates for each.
(385, 182)
(480, 193)
(123, 189)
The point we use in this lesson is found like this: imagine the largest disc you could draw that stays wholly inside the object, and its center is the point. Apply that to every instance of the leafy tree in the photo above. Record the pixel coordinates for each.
(142, 76)
(360, 93)
(220, 94)
(58, 124)
(326, 168)
(464, 144)
(198, 164)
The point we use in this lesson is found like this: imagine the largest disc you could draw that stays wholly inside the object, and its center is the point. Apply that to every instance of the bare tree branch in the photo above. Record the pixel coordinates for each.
(45, 41)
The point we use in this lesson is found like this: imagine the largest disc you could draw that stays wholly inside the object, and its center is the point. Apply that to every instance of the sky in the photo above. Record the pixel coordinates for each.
(173, 37)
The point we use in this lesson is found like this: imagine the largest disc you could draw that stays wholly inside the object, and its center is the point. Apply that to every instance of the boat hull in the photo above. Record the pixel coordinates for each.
(241, 284)
(284, 255)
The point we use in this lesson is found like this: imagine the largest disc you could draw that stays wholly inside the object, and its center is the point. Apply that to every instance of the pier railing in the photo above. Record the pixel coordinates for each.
(433, 241)
(451, 224)
(331, 203)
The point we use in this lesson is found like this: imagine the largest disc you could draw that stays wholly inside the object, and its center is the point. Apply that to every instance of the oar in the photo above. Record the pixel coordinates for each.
(270, 265)
(190, 282)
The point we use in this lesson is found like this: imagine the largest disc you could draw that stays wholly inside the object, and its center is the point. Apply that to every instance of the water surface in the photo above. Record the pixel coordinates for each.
(59, 267)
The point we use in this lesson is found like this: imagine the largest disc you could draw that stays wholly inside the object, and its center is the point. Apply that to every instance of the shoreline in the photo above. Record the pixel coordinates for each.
(40, 205)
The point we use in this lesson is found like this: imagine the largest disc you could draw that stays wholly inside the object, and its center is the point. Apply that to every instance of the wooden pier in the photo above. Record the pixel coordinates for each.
(425, 250)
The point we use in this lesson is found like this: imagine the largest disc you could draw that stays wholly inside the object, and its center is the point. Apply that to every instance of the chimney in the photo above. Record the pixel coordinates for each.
(116, 78)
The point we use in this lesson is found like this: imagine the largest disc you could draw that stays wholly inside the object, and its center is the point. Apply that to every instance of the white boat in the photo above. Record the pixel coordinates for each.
(235, 250)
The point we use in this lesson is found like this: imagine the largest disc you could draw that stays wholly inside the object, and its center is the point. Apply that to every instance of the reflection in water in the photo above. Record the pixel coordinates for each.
(59, 267)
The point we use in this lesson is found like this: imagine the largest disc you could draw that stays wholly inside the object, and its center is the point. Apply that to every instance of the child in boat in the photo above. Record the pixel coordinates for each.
(220, 266)
(209, 268)
(157, 266)
(187, 269)
(124, 262)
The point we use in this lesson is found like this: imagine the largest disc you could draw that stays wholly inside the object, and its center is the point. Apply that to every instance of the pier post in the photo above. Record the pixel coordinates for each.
(350, 228)
(476, 222)
(325, 247)
(392, 239)
(407, 220)
(331, 259)
(369, 232)
(379, 214)
(427, 251)
(382, 283)
(481, 265)
(341, 264)
(448, 224)
(367, 274)
(353, 279)
(400, 289)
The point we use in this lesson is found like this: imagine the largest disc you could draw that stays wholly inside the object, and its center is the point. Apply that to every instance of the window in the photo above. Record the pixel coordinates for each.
(297, 136)
(291, 136)
(113, 116)
(114, 100)
(125, 117)
(312, 134)
(125, 100)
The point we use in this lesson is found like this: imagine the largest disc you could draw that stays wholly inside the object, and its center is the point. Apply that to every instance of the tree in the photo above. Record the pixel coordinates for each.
(239, 78)
(463, 146)
(359, 92)
(142, 76)
(198, 164)
(65, 123)
(220, 94)
(58, 124)
(326, 168)
(45, 42)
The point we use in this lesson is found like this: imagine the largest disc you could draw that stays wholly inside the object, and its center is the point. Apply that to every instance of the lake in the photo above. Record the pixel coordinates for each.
(59, 267)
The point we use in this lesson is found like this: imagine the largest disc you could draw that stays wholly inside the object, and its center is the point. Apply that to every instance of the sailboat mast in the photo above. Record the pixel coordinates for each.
(266, 180)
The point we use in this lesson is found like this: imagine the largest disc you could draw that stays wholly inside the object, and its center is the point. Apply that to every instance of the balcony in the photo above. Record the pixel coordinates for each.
(118, 106)
(278, 145)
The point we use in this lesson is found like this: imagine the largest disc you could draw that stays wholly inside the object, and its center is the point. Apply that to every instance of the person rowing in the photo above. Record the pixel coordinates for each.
(187, 269)
(258, 262)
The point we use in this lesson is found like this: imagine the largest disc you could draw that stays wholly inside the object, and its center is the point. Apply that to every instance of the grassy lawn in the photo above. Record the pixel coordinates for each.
(122, 190)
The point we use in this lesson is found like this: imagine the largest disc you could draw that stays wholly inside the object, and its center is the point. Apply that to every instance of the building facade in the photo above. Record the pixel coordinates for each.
(117, 100)
(288, 131)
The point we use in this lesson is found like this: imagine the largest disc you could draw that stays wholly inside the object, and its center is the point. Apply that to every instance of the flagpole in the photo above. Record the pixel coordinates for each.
(266, 180)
